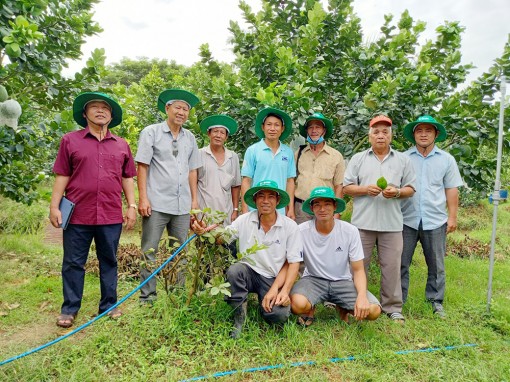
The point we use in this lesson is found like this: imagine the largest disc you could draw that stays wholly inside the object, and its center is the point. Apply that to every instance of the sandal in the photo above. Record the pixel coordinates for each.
(66, 320)
(305, 321)
(115, 314)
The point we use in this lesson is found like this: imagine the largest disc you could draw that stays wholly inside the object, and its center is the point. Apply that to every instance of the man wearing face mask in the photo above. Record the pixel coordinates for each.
(317, 163)
(168, 159)
(93, 168)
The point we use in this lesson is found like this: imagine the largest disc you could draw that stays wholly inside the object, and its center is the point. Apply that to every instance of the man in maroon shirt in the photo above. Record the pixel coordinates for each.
(93, 168)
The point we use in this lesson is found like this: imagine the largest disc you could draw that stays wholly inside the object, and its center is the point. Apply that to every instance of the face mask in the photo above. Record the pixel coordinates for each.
(312, 142)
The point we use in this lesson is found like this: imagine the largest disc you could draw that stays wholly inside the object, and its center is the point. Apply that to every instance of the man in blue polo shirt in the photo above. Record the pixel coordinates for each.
(270, 159)
(425, 217)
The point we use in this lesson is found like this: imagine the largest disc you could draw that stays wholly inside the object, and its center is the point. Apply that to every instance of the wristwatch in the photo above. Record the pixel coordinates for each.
(132, 205)
(397, 195)
(236, 209)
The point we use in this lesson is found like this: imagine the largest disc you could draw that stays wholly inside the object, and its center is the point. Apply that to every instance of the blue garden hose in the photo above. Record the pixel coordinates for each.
(5, 362)
(308, 363)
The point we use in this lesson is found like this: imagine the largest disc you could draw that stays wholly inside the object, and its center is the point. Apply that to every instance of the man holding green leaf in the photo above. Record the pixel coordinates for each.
(270, 272)
(376, 211)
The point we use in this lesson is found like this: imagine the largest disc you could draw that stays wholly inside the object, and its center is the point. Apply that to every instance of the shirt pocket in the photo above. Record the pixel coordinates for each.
(325, 171)
(113, 165)
(393, 177)
(226, 180)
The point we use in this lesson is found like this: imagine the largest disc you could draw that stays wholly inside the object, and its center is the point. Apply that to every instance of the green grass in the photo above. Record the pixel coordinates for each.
(171, 342)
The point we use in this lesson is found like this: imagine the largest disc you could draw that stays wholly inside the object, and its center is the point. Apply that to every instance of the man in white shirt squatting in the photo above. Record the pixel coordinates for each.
(270, 272)
(330, 246)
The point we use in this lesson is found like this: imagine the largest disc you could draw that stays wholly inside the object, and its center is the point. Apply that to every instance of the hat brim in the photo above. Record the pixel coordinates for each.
(84, 98)
(340, 204)
(177, 95)
(248, 196)
(327, 124)
(219, 120)
(287, 121)
(409, 130)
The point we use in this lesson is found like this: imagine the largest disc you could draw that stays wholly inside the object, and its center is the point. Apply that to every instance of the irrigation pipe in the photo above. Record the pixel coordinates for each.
(332, 360)
(5, 362)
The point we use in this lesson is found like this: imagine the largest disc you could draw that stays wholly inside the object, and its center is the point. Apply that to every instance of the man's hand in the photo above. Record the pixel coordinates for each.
(361, 308)
(291, 214)
(199, 227)
(234, 215)
(282, 299)
(390, 192)
(55, 217)
(373, 190)
(130, 218)
(144, 207)
(269, 300)
(451, 225)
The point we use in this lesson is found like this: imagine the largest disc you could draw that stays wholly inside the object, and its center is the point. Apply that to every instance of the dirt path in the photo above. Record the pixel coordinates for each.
(52, 235)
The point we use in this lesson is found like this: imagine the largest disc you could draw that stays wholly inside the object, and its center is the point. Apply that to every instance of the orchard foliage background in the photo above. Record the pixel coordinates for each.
(294, 55)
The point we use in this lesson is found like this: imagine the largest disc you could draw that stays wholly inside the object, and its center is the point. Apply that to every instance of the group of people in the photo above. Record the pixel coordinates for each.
(290, 203)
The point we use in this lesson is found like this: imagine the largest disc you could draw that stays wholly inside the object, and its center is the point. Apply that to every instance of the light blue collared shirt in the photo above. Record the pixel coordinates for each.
(260, 164)
(434, 173)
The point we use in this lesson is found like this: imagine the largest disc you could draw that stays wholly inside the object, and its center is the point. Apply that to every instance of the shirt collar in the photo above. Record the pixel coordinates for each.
(228, 153)
(254, 217)
(435, 150)
(327, 149)
(108, 135)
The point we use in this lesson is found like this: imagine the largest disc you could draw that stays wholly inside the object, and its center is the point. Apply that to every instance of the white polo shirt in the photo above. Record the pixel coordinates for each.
(283, 241)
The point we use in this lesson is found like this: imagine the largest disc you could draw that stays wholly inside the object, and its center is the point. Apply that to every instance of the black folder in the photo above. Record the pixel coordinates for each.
(66, 208)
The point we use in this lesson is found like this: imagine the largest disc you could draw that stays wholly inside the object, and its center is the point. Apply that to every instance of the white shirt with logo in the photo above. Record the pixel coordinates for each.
(329, 256)
(283, 242)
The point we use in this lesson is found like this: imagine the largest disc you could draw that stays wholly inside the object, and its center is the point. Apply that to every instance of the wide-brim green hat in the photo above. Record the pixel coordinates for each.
(323, 193)
(266, 185)
(219, 120)
(409, 129)
(261, 116)
(84, 98)
(317, 117)
(176, 95)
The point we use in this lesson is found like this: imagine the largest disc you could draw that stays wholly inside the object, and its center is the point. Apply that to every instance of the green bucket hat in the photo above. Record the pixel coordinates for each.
(266, 185)
(409, 129)
(219, 120)
(84, 98)
(176, 95)
(326, 193)
(261, 117)
(317, 117)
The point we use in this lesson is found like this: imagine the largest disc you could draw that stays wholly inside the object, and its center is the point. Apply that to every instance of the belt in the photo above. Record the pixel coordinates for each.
(298, 200)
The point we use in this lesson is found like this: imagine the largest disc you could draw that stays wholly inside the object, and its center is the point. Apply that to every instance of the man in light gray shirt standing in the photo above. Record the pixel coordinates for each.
(168, 159)
(376, 209)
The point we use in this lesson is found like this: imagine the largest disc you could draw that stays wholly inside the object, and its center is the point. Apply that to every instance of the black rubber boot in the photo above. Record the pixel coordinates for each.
(239, 318)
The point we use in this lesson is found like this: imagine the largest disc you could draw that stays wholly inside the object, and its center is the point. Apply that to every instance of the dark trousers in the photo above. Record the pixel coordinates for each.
(77, 240)
(433, 243)
(244, 280)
